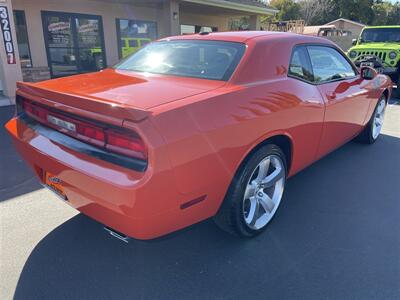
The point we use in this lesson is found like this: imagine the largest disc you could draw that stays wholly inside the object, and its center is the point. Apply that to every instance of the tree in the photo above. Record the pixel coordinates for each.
(386, 13)
(381, 12)
(318, 12)
(312, 11)
(356, 10)
(288, 9)
(394, 15)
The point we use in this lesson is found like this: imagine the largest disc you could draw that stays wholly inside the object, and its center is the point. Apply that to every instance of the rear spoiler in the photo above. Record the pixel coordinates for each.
(95, 108)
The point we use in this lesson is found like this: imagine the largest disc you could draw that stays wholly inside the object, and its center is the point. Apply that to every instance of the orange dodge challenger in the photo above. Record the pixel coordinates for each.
(193, 127)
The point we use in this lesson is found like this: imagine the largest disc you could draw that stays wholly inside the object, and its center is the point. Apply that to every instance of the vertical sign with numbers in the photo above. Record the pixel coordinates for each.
(7, 37)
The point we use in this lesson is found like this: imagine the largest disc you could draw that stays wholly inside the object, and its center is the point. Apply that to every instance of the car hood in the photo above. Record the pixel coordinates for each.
(376, 46)
(127, 88)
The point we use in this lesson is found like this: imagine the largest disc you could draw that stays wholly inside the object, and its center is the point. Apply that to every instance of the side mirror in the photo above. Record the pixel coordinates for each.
(354, 42)
(368, 73)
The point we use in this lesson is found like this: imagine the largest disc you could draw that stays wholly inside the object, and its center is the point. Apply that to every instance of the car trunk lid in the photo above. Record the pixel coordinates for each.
(122, 94)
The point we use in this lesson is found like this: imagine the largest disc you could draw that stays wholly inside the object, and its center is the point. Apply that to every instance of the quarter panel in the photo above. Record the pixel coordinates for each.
(208, 138)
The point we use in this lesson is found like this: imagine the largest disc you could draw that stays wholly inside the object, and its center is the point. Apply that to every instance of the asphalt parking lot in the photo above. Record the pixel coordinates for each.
(336, 236)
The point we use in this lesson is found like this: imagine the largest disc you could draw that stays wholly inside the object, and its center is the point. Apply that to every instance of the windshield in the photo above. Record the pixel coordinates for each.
(379, 35)
(188, 58)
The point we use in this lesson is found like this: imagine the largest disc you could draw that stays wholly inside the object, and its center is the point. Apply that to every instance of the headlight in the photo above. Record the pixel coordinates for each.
(392, 55)
(353, 54)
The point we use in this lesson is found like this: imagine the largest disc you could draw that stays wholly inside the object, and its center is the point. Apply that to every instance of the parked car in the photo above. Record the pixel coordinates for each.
(193, 127)
(379, 47)
(131, 45)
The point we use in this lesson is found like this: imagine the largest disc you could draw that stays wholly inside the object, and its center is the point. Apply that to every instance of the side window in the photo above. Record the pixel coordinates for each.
(299, 66)
(328, 64)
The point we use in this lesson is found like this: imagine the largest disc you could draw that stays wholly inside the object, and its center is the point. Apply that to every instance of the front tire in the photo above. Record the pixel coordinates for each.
(373, 129)
(255, 193)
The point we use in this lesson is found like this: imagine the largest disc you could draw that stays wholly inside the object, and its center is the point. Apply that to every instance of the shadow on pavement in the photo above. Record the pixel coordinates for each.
(16, 178)
(394, 101)
(336, 236)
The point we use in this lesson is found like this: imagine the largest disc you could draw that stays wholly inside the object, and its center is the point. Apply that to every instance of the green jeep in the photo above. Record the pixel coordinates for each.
(379, 47)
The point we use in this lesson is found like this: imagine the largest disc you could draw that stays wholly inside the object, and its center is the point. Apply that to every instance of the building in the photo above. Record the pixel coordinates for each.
(51, 38)
(350, 30)
(348, 25)
(324, 30)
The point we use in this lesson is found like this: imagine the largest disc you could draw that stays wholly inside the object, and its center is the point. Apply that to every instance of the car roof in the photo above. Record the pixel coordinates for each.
(243, 36)
(384, 26)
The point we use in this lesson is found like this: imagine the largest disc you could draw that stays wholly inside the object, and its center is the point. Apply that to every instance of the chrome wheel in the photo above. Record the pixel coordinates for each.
(378, 118)
(264, 192)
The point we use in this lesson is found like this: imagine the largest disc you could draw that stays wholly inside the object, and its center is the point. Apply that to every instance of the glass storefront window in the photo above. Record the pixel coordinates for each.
(192, 29)
(59, 32)
(22, 38)
(133, 34)
(74, 43)
(90, 44)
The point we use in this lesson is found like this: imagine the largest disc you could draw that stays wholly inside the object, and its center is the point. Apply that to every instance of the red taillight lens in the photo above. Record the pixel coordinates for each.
(122, 142)
(126, 143)
(35, 112)
(91, 134)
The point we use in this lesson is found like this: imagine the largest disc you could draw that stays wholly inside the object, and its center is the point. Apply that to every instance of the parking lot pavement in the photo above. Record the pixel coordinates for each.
(335, 236)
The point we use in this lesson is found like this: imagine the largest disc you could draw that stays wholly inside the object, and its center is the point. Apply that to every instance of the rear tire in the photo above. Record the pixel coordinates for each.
(254, 194)
(372, 130)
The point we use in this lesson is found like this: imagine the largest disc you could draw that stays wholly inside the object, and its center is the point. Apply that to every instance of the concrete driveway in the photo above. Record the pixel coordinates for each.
(336, 236)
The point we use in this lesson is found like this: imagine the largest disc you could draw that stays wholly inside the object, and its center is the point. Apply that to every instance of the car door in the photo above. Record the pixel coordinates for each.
(309, 115)
(346, 102)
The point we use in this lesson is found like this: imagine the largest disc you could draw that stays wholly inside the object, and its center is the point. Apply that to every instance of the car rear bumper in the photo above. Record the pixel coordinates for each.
(142, 205)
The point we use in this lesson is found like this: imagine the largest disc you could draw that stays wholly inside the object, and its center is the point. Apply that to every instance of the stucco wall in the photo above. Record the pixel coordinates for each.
(9, 73)
(221, 22)
(344, 42)
(355, 29)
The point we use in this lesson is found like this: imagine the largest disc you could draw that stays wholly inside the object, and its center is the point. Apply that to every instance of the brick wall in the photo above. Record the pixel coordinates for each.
(35, 74)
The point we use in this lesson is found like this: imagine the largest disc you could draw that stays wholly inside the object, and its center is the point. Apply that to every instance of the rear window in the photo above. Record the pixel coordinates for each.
(215, 60)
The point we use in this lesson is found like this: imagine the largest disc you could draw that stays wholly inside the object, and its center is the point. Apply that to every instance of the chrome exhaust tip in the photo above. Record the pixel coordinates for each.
(117, 234)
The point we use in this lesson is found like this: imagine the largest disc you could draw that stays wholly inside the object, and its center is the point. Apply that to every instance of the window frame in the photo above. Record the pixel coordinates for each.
(27, 36)
(118, 29)
(356, 73)
(308, 63)
(340, 51)
(75, 47)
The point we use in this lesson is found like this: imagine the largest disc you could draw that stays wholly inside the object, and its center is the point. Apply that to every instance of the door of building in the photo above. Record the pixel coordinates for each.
(74, 43)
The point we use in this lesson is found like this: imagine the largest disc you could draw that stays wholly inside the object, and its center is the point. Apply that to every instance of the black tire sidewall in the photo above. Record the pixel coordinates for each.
(240, 183)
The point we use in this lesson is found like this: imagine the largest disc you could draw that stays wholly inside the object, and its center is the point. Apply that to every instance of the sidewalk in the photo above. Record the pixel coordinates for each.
(4, 101)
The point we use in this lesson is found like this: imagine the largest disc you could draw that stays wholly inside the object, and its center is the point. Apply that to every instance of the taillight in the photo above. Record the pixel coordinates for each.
(126, 143)
(91, 134)
(34, 111)
(119, 141)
